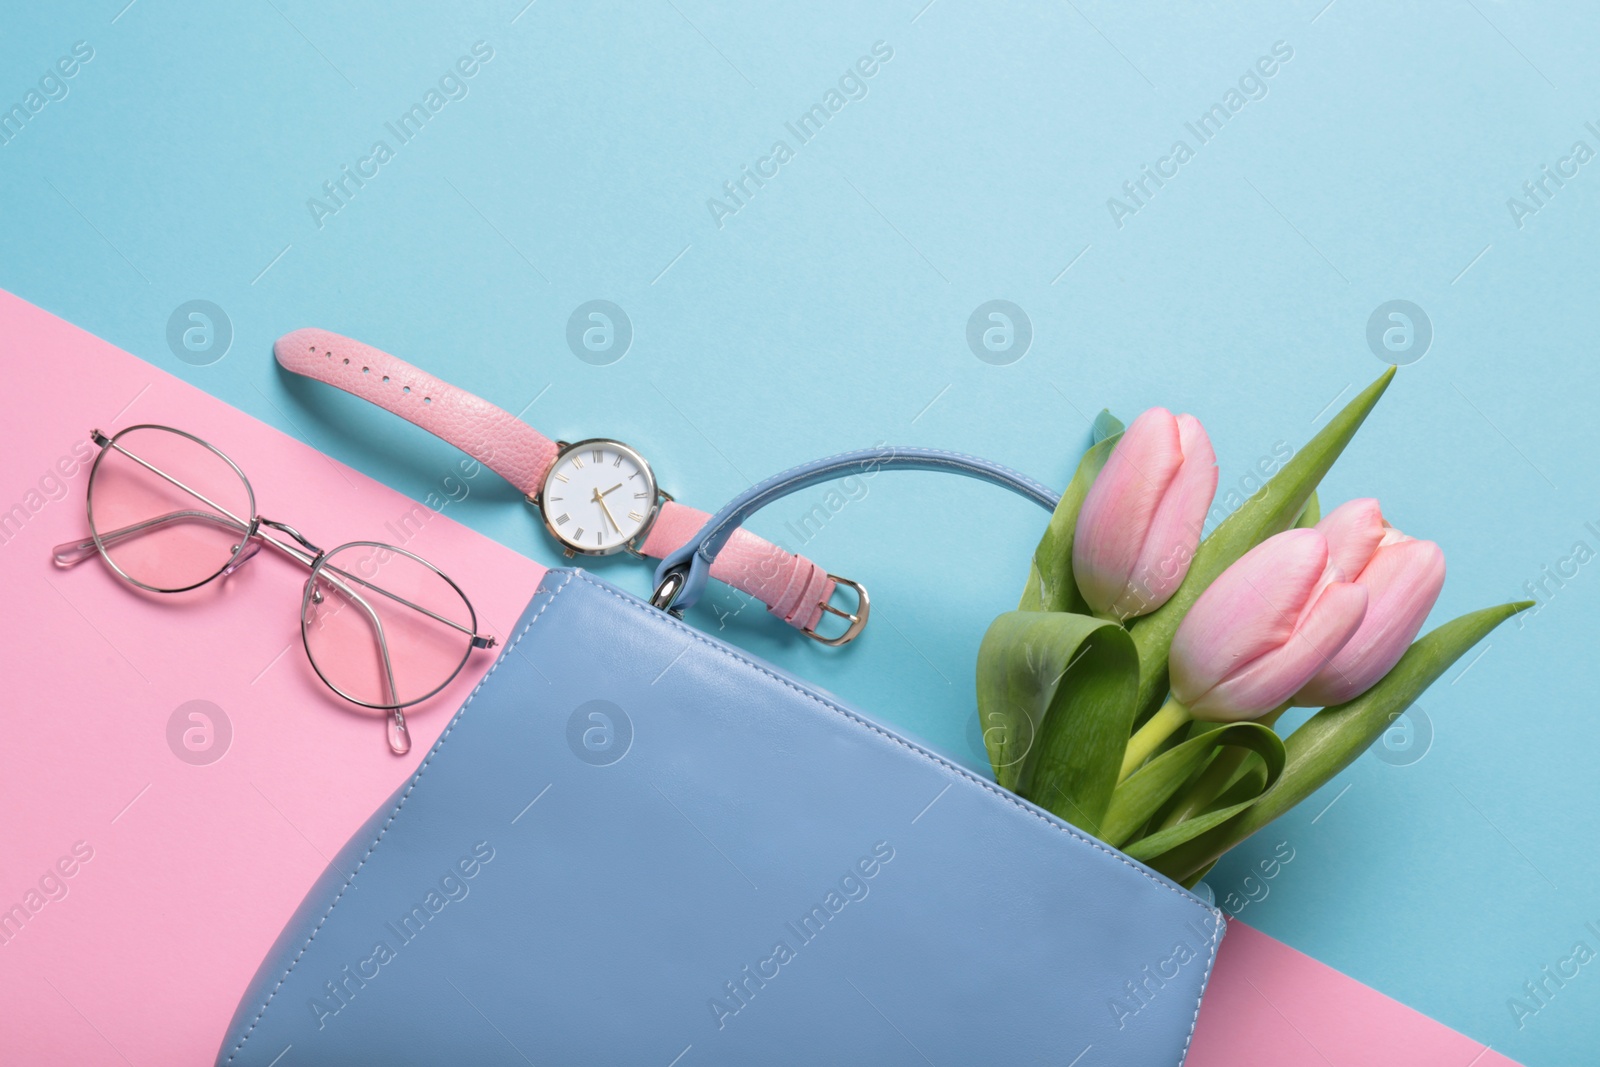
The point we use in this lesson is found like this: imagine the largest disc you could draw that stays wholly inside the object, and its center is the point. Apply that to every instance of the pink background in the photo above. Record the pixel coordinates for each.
(1270, 1006)
(196, 868)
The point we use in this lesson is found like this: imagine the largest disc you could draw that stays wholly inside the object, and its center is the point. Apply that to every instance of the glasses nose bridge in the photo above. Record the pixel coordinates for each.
(316, 552)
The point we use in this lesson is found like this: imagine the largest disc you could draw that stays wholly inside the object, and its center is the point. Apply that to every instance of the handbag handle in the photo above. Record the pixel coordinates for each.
(681, 575)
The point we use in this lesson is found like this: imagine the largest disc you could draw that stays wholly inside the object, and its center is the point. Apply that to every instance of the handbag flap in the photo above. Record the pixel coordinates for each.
(636, 844)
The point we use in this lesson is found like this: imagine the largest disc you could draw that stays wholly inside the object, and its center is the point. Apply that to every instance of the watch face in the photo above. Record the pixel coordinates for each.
(598, 496)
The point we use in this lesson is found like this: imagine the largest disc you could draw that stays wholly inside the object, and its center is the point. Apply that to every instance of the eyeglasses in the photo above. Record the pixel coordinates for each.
(382, 627)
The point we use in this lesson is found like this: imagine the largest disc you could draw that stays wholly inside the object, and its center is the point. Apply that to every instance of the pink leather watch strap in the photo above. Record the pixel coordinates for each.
(793, 588)
(495, 437)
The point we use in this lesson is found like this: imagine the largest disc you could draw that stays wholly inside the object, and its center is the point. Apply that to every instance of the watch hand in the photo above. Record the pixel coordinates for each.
(599, 499)
(613, 489)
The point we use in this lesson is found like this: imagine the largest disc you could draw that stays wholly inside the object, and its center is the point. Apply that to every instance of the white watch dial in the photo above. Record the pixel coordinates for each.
(598, 496)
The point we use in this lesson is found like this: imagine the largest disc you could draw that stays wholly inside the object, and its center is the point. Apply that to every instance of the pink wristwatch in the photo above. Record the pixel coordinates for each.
(597, 496)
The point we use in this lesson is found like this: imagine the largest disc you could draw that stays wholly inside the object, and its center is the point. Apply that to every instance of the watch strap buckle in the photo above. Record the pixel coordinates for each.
(857, 619)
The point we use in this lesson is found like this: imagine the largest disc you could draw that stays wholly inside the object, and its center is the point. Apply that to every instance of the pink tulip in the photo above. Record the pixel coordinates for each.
(1402, 577)
(1263, 628)
(1140, 522)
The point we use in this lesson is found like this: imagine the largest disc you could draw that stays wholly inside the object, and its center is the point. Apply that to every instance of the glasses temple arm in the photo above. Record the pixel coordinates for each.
(399, 736)
(72, 553)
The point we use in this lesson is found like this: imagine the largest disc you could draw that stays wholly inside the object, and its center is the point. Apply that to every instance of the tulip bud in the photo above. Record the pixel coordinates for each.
(1402, 577)
(1141, 519)
(1259, 632)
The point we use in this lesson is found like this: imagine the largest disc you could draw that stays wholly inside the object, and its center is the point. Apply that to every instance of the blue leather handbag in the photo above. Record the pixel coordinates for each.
(635, 844)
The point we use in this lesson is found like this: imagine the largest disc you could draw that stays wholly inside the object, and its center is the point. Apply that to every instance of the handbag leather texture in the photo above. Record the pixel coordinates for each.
(637, 844)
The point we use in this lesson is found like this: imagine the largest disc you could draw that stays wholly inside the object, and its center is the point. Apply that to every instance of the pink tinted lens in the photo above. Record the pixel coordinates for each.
(371, 610)
(173, 527)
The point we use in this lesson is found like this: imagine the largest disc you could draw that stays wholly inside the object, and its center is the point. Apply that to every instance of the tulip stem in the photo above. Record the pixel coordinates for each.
(1149, 737)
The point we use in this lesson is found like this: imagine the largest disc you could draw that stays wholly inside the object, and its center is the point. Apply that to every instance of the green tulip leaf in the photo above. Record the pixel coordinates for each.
(1144, 792)
(1207, 790)
(1105, 425)
(1248, 780)
(1148, 848)
(1051, 586)
(1272, 510)
(1055, 701)
(1195, 878)
(1331, 739)
(1249, 783)
(1311, 514)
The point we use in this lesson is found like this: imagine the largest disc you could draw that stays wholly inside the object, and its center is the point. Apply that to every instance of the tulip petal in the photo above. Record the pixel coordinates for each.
(1121, 505)
(1403, 582)
(1354, 530)
(1268, 511)
(1251, 609)
(1273, 678)
(1174, 534)
(1391, 536)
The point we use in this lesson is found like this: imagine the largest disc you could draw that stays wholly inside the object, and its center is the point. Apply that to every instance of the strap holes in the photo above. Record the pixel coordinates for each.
(405, 389)
(427, 400)
(347, 361)
(365, 370)
(385, 379)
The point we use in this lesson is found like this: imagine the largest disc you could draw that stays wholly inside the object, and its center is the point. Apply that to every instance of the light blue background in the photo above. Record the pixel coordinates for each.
(831, 310)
